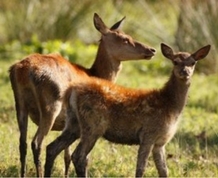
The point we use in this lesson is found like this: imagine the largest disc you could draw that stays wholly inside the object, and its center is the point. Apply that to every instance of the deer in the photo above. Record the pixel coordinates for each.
(144, 117)
(39, 82)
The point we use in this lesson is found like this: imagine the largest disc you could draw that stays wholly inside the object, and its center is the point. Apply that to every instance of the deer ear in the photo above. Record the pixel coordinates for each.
(167, 51)
(99, 24)
(201, 53)
(118, 24)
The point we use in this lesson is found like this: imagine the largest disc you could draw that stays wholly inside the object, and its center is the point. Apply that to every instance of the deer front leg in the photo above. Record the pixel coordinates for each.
(143, 153)
(160, 160)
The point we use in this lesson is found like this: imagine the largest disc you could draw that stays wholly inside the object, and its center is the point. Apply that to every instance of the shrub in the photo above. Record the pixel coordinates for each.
(197, 26)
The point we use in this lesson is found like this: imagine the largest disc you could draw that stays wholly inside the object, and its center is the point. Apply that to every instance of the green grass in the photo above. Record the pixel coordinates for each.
(188, 155)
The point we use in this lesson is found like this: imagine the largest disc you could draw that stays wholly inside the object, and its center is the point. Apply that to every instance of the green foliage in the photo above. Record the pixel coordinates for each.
(72, 51)
(48, 19)
(197, 26)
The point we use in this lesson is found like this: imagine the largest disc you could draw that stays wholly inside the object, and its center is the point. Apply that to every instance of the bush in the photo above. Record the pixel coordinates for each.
(73, 51)
(54, 19)
(197, 26)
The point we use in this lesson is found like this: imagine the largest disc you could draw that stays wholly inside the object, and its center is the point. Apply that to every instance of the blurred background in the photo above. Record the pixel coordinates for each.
(66, 26)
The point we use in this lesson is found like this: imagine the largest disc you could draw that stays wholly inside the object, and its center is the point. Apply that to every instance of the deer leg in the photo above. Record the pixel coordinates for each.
(90, 132)
(160, 161)
(68, 136)
(53, 149)
(23, 122)
(46, 122)
(23, 152)
(67, 160)
(79, 156)
(143, 154)
(36, 149)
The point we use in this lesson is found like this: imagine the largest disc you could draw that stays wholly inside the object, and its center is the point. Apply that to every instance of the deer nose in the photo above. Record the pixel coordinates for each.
(184, 71)
(153, 50)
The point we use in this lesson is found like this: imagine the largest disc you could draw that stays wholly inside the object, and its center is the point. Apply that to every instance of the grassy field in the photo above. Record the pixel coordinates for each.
(193, 152)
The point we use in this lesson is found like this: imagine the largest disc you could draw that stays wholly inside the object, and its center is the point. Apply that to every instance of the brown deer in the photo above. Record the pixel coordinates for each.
(126, 116)
(39, 82)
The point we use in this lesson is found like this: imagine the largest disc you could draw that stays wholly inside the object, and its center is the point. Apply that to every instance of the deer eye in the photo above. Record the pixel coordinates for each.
(193, 63)
(175, 63)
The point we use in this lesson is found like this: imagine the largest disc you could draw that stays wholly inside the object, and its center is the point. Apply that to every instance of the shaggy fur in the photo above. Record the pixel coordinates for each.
(147, 118)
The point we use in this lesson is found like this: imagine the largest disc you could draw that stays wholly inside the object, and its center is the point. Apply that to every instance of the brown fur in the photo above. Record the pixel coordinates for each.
(39, 82)
(145, 117)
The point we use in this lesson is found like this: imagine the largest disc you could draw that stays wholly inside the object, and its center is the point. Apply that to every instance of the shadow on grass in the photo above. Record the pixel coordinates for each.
(11, 171)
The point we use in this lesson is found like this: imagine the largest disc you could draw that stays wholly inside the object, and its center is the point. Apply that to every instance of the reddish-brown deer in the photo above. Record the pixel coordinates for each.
(126, 116)
(39, 82)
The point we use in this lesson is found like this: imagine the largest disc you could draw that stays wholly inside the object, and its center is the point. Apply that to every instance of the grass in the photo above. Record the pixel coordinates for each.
(189, 154)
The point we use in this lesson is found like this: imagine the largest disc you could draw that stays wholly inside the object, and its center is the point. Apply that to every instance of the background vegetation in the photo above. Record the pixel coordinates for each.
(66, 26)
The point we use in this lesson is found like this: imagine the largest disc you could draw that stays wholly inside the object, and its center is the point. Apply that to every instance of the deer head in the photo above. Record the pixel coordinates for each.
(184, 63)
(117, 41)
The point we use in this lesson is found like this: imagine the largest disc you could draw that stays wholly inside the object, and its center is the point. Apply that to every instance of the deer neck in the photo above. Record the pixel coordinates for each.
(175, 93)
(105, 66)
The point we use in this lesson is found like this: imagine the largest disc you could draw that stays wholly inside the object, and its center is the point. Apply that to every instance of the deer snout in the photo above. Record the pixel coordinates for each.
(153, 50)
(185, 73)
(150, 52)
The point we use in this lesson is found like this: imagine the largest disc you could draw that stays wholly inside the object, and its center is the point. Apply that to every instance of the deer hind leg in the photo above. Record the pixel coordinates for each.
(22, 119)
(47, 120)
(79, 156)
(89, 133)
(36, 149)
(67, 137)
(67, 160)
(89, 136)
(160, 160)
(53, 149)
